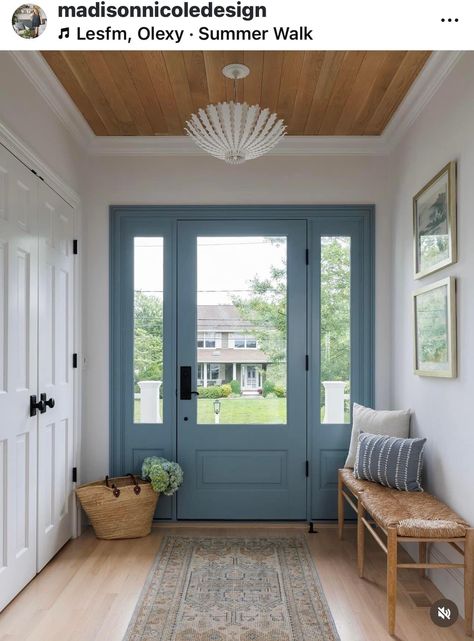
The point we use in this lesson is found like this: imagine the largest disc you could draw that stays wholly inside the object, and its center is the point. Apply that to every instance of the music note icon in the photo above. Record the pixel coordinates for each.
(64, 33)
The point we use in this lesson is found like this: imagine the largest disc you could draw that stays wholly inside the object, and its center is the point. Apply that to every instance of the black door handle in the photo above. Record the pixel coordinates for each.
(185, 383)
(49, 403)
(37, 406)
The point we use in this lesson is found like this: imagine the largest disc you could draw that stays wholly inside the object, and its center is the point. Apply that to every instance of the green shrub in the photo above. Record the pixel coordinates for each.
(215, 391)
(235, 385)
(226, 390)
(279, 391)
(268, 388)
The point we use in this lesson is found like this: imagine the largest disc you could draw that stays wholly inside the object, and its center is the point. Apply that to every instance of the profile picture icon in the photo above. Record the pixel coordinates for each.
(29, 21)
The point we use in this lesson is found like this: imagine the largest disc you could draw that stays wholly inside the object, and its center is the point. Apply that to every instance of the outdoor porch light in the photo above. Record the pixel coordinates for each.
(217, 406)
(233, 131)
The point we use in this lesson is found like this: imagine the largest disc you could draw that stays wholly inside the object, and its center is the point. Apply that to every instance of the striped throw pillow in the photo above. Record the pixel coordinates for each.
(390, 461)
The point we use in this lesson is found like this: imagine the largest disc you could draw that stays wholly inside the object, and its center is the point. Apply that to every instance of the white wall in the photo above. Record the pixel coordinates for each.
(25, 112)
(443, 408)
(270, 180)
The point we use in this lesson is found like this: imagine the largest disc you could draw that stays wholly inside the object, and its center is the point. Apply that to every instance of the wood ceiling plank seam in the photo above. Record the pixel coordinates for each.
(214, 62)
(163, 91)
(322, 92)
(290, 78)
(121, 74)
(98, 67)
(311, 69)
(145, 89)
(398, 88)
(64, 74)
(272, 65)
(91, 86)
(386, 71)
(197, 79)
(363, 84)
(253, 82)
(179, 82)
(341, 91)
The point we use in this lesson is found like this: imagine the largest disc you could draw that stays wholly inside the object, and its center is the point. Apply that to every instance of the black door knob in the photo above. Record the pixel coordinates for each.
(36, 406)
(50, 402)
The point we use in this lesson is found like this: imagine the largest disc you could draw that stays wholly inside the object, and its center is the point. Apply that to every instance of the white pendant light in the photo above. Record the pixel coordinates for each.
(233, 131)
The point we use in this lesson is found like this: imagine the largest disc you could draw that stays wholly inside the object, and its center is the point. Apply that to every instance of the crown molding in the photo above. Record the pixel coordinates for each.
(27, 156)
(40, 74)
(429, 80)
(438, 66)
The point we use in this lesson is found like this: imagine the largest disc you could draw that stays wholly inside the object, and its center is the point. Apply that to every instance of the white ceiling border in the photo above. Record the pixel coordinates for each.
(425, 86)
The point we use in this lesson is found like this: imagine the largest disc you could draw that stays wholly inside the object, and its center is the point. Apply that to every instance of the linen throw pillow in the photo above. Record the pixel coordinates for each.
(365, 419)
(390, 461)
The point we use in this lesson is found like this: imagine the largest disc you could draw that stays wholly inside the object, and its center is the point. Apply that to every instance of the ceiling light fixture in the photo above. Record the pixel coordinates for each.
(233, 131)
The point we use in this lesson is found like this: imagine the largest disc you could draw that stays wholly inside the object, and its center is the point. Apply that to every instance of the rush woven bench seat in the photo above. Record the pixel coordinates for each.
(416, 514)
(394, 517)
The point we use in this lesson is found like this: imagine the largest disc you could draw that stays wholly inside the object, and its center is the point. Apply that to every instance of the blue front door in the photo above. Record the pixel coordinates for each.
(241, 331)
(240, 336)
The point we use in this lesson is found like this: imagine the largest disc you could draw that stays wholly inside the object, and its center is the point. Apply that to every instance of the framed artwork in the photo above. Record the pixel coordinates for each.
(434, 316)
(434, 223)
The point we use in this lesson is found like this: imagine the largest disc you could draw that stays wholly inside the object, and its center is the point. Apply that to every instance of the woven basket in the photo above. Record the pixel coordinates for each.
(119, 508)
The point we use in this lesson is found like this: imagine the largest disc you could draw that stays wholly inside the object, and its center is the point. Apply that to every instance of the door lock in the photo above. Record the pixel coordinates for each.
(49, 403)
(36, 406)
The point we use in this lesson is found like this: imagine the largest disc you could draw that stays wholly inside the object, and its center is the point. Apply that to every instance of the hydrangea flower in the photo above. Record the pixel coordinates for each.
(165, 476)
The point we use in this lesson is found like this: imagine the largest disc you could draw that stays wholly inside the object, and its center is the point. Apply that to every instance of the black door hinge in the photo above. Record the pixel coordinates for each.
(306, 362)
(74, 361)
(307, 256)
(307, 468)
(74, 474)
(74, 246)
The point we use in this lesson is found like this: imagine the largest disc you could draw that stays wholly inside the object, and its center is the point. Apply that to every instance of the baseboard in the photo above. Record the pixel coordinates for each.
(449, 581)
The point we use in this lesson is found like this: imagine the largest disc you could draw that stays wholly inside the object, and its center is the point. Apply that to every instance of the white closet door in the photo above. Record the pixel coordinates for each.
(55, 428)
(18, 375)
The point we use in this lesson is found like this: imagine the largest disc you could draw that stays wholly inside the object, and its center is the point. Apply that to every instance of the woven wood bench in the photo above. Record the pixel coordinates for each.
(406, 517)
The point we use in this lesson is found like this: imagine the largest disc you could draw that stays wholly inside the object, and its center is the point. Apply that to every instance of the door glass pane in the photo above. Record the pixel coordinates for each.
(241, 330)
(335, 329)
(148, 330)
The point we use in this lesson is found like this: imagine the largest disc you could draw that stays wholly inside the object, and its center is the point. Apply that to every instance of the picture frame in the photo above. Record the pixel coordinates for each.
(434, 323)
(434, 223)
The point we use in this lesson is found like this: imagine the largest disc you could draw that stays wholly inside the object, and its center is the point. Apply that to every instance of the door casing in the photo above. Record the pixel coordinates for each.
(128, 221)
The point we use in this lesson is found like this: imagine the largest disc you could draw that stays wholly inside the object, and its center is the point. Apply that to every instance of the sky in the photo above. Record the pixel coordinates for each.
(225, 265)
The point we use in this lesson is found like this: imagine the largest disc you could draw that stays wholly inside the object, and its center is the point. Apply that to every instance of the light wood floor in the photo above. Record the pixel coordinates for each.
(89, 590)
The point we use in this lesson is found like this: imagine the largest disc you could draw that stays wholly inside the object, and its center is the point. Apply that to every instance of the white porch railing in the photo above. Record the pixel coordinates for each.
(150, 411)
(334, 398)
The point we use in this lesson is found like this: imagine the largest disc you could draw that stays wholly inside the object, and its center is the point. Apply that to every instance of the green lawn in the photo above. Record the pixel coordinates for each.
(245, 411)
(238, 410)
(242, 410)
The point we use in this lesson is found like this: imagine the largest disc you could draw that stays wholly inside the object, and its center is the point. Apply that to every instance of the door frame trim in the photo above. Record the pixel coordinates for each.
(120, 215)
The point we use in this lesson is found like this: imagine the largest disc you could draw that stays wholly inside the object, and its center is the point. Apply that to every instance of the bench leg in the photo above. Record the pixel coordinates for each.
(360, 535)
(468, 580)
(391, 578)
(340, 506)
(422, 557)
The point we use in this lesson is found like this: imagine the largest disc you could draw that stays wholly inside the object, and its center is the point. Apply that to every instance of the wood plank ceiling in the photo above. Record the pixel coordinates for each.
(325, 93)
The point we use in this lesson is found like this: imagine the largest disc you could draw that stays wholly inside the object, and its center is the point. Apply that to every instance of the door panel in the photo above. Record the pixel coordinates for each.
(18, 376)
(55, 427)
(143, 351)
(243, 455)
(342, 321)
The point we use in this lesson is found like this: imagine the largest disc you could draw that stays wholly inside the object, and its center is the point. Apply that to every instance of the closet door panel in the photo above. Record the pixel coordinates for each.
(18, 375)
(55, 460)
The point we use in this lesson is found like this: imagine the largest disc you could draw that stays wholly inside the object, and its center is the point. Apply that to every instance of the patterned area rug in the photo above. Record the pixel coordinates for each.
(232, 589)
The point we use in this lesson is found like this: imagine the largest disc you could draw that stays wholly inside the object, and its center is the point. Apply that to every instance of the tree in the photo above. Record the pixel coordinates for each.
(148, 338)
(335, 309)
(266, 309)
